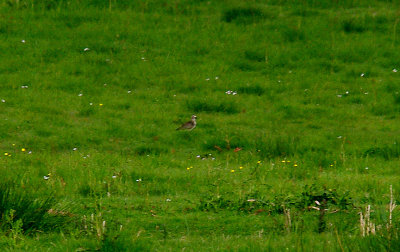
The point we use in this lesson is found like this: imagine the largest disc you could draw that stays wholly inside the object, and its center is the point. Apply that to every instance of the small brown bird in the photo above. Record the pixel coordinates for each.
(189, 125)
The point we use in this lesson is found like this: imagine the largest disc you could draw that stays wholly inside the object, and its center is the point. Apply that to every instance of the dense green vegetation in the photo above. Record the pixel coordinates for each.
(297, 141)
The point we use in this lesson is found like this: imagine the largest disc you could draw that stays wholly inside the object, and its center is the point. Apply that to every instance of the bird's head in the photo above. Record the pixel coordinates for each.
(194, 117)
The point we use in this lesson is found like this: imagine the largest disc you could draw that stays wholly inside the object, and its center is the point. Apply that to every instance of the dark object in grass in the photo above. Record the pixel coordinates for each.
(243, 15)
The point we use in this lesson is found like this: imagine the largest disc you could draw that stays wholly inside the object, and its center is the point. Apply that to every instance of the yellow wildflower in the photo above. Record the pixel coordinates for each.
(23, 149)
(259, 162)
(232, 170)
(241, 167)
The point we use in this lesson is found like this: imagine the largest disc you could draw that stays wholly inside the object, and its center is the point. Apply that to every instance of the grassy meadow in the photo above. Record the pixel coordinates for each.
(297, 144)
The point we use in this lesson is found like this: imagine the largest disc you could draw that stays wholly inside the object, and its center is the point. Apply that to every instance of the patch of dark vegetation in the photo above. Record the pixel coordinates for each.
(384, 110)
(123, 243)
(258, 56)
(391, 87)
(396, 97)
(27, 210)
(245, 66)
(6, 27)
(303, 12)
(247, 15)
(52, 55)
(292, 34)
(387, 151)
(86, 112)
(43, 132)
(149, 149)
(210, 105)
(329, 67)
(353, 25)
(201, 51)
(85, 190)
(185, 7)
(291, 111)
(303, 200)
(252, 89)
(115, 130)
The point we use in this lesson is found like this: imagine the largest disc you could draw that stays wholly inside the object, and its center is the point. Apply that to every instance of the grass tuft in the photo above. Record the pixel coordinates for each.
(29, 208)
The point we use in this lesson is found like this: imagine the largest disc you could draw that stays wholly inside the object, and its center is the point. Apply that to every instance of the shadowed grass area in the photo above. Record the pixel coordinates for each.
(29, 210)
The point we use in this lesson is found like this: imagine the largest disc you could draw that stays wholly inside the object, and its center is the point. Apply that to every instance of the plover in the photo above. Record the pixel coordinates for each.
(189, 125)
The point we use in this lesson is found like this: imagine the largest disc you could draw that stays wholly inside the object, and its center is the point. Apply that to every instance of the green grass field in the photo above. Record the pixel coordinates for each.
(297, 144)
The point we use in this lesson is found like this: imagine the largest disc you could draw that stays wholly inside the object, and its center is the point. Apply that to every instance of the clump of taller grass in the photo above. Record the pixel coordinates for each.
(388, 237)
(28, 209)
